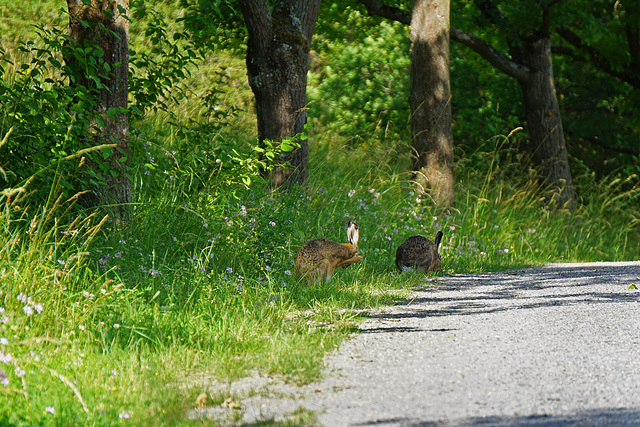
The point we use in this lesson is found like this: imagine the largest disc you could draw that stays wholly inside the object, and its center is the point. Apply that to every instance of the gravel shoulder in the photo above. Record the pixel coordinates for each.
(552, 345)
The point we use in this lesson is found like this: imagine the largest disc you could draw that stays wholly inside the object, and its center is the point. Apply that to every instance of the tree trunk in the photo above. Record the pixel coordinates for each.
(277, 65)
(430, 100)
(108, 31)
(547, 144)
(536, 79)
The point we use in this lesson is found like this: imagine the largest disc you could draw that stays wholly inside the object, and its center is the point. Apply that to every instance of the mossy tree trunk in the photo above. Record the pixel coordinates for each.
(277, 65)
(101, 29)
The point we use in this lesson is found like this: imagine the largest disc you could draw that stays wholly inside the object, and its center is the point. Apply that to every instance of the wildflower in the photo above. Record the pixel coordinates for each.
(3, 378)
(61, 262)
(154, 272)
(81, 327)
(118, 254)
(5, 357)
(267, 268)
(287, 272)
(50, 409)
(352, 193)
(229, 270)
(39, 308)
(88, 294)
(243, 210)
(28, 310)
(116, 326)
(271, 223)
(22, 298)
(372, 190)
(4, 341)
(452, 228)
(123, 242)
(124, 415)
(418, 200)
(376, 195)
(20, 372)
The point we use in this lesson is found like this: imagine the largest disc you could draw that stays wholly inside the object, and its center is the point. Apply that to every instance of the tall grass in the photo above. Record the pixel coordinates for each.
(95, 320)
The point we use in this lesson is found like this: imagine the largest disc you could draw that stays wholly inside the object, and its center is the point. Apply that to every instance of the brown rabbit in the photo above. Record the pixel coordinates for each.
(319, 257)
(419, 253)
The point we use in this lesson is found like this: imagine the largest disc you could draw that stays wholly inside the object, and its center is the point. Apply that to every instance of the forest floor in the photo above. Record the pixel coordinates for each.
(541, 346)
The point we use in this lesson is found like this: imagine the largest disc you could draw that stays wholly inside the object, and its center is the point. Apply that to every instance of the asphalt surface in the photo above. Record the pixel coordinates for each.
(555, 345)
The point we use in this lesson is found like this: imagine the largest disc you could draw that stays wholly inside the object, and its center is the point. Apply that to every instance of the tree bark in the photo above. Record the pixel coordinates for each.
(546, 136)
(430, 100)
(277, 64)
(108, 31)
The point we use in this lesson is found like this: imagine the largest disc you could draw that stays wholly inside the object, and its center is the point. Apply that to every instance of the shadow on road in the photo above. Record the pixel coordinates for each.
(600, 417)
(553, 285)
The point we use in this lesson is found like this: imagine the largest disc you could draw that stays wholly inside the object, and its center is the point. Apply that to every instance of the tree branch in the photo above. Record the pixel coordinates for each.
(375, 8)
(491, 54)
(475, 43)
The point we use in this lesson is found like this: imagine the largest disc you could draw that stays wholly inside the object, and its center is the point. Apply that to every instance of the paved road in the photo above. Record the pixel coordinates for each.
(545, 346)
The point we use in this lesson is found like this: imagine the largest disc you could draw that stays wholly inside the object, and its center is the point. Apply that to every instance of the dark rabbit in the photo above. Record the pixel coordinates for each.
(318, 258)
(419, 253)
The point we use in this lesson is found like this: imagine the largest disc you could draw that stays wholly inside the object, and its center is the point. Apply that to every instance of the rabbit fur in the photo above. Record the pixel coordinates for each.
(419, 253)
(317, 258)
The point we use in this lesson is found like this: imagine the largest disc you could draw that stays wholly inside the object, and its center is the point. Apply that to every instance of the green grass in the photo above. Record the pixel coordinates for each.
(111, 327)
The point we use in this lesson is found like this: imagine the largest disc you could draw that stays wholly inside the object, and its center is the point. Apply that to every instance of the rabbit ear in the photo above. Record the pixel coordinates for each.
(438, 239)
(353, 233)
